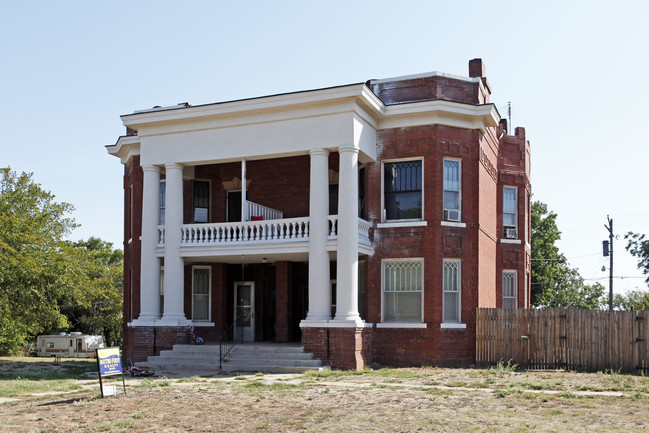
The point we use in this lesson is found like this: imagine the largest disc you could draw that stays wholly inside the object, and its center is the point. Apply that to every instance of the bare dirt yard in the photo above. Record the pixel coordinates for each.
(380, 400)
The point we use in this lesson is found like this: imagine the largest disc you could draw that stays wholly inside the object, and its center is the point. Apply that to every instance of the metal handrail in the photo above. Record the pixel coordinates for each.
(229, 339)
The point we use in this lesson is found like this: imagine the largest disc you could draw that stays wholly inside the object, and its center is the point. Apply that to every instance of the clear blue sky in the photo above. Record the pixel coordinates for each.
(575, 73)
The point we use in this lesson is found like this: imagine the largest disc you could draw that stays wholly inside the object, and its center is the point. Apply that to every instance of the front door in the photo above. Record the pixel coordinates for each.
(244, 309)
(233, 206)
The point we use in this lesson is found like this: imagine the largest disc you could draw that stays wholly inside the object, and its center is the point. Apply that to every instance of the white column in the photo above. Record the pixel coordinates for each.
(174, 314)
(347, 265)
(244, 191)
(319, 280)
(149, 263)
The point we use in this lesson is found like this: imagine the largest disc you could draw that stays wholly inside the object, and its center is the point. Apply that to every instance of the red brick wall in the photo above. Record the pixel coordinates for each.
(133, 177)
(486, 202)
(424, 89)
(284, 301)
(316, 341)
(148, 340)
(514, 170)
(138, 343)
(430, 346)
(342, 348)
(279, 183)
(433, 242)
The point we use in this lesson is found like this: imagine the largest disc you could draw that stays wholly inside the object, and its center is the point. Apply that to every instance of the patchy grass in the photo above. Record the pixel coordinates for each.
(258, 385)
(502, 368)
(192, 379)
(331, 374)
(156, 382)
(20, 387)
(407, 400)
(26, 376)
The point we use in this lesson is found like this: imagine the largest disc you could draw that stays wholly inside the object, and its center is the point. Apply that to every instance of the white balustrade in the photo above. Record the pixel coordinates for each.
(265, 231)
(333, 227)
(161, 235)
(364, 231)
(267, 213)
(290, 229)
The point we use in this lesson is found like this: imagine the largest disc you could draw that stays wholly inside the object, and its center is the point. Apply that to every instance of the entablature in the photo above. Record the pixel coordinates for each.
(284, 125)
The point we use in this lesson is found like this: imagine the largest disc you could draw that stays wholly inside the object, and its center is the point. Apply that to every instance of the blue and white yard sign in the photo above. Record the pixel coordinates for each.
(110, 361)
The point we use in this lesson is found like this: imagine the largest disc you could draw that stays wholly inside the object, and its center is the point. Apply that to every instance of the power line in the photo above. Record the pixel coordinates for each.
(548, 260)
(606, 278)
(584, 279)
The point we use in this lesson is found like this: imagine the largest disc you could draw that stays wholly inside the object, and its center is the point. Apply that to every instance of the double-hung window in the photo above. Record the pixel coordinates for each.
(162, 290)
(403, 282)
(451, 287)
(509, 289)
(334, 294)
(201, 294)
(201, 199)
(509, 212)
(163, 198)
(452, 189)
(402, 187)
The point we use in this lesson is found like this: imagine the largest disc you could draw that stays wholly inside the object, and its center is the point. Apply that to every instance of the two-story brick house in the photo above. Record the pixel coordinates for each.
(367, 221)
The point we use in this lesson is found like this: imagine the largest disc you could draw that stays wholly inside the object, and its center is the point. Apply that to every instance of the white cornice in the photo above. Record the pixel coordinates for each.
(291, 101)
(440, 112)
(126, 147)
(332, 103)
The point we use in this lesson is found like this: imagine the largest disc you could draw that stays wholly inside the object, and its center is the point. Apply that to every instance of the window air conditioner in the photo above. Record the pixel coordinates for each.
(451, 215)
(511, 233)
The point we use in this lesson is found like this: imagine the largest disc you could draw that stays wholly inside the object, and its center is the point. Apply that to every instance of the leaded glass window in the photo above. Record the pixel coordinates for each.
(403, 283)
(509, 289)
(451, 285)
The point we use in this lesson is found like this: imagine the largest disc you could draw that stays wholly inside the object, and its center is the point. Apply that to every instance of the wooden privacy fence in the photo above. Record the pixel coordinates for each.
(554, 338)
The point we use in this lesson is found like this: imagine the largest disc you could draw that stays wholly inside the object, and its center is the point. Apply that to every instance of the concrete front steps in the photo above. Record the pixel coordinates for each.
(263, 357)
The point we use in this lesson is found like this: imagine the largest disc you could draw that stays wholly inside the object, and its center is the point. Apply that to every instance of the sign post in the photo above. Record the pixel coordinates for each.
(109, 363)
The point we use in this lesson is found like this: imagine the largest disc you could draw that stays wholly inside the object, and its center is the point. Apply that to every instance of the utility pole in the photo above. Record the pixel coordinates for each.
(610, 267)
(509, 114)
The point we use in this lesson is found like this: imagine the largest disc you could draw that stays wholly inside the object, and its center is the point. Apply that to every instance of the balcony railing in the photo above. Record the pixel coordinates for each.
(290, 229)
(257, 232)
(364, 231)
(267, 213)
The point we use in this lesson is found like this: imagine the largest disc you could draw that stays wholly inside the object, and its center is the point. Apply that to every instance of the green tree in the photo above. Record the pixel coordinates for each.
(94, 305)
(638, 246)
(554, 283)
(35, 264)
(631, 300)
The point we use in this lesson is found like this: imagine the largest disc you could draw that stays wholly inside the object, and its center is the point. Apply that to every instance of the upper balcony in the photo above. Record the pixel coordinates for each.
(287, 237)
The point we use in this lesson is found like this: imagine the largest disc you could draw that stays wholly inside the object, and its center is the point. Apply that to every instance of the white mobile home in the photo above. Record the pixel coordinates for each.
(72, 345)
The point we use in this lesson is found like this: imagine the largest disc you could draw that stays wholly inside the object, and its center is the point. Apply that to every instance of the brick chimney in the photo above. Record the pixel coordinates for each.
(478, 69)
